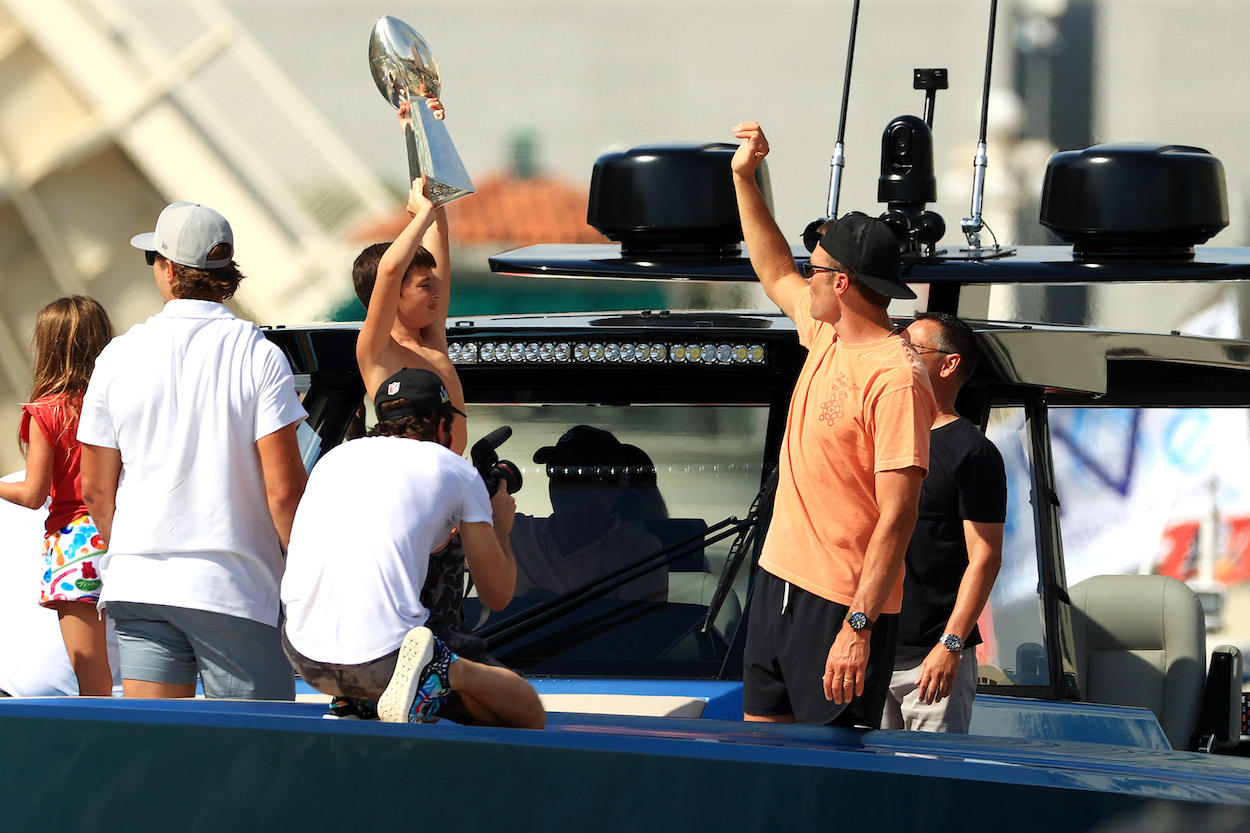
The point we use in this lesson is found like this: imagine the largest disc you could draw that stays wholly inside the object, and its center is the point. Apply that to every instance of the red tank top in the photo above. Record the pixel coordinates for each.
(57, 417)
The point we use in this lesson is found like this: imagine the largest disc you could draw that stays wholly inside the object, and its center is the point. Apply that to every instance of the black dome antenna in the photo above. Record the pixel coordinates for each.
(907, 182)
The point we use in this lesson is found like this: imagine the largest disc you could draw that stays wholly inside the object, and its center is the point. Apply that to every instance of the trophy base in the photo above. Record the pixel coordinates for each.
(430, 151)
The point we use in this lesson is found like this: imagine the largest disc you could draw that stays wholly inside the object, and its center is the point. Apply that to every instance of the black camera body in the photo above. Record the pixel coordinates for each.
(490, 467)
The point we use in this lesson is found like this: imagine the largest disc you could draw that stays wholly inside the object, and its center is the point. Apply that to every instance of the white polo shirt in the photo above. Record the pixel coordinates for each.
(184, 397)
(372, 512)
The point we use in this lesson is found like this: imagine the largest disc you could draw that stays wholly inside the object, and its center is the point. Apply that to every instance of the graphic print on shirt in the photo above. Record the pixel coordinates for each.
(834, 408)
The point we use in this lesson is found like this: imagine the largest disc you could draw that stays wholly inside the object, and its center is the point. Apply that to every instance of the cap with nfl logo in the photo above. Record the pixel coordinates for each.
(421, 389)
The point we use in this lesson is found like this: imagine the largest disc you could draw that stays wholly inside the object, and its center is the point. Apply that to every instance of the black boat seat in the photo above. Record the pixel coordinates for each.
(1141, 641)
(1219, 730)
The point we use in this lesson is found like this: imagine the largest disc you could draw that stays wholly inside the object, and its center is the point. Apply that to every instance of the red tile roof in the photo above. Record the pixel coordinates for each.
(510, 211)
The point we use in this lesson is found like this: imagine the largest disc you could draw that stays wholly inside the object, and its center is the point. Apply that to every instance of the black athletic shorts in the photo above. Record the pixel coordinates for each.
(786, 651)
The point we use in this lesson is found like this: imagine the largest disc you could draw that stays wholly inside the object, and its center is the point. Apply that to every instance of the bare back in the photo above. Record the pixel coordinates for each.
(422, 356)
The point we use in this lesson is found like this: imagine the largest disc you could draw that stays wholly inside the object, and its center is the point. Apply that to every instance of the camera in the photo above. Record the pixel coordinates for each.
(493, 470)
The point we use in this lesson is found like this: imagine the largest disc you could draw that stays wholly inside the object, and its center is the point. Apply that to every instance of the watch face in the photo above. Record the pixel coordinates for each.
(858, 621)
(952, 643)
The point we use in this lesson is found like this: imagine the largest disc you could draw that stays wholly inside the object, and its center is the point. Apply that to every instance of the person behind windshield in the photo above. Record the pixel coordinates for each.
(584, 539)
(355, 623)
(956, 550)
(640, 498)
(854, 453)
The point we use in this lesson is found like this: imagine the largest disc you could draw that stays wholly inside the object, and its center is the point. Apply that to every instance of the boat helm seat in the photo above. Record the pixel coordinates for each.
(1141, 641)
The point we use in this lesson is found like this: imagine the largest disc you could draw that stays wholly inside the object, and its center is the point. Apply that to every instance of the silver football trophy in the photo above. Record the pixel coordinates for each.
(404, 70)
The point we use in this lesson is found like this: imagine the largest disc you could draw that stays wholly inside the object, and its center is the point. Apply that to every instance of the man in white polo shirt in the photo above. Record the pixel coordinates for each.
(192, 471)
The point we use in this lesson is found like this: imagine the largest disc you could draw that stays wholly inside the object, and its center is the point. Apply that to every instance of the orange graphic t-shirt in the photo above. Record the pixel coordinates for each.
(857, 409)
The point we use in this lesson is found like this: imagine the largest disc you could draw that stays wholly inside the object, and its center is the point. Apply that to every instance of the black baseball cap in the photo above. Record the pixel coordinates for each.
(870, 249)
(422, 389)
(583, 445)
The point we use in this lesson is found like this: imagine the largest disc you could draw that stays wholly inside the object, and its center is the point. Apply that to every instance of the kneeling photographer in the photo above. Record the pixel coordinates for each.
(356, 627)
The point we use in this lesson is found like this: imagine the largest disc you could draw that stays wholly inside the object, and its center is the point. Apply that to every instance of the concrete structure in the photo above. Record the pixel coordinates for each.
(109, 109)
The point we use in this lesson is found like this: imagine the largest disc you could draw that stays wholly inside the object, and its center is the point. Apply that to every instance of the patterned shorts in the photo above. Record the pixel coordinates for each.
(71, 560)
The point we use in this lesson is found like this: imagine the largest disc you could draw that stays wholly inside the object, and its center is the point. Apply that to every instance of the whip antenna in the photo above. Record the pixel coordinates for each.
(838, 161)
(972, 225)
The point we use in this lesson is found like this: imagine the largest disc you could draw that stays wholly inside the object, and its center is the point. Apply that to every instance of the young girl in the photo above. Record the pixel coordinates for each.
(69, 334)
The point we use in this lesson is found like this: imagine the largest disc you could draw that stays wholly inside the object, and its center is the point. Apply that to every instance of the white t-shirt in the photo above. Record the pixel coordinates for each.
(184, 397)
(372, 512)
(33, 662)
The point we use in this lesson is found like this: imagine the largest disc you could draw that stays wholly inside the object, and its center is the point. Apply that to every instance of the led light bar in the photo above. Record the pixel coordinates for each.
(507, 351)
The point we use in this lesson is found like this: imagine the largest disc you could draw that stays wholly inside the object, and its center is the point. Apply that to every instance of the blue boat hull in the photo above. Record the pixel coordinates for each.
(215, 765)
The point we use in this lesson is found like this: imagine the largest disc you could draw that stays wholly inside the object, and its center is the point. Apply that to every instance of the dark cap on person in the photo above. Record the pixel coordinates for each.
(422, 389)
(582, 444)
(870, 249)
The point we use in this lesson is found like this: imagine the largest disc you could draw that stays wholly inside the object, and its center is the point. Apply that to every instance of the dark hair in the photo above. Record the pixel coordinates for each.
(365, 269)
(218, 284)
(953, 335)
(420, 427)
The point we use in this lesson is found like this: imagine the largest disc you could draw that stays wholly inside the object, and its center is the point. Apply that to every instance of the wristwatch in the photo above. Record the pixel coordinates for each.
(859, 621)
(952, 643)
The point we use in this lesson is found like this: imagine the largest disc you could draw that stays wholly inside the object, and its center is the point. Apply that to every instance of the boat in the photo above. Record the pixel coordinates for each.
(1098, 704)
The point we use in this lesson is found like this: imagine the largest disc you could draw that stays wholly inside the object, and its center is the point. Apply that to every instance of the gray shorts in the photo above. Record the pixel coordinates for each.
(234, 658)
(904, 709)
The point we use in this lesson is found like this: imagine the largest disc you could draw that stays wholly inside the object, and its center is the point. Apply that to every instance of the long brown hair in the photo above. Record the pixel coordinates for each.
(69, 334)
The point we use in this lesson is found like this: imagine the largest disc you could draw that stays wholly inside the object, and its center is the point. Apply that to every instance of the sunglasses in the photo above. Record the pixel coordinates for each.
(810, 269)
(150, 257)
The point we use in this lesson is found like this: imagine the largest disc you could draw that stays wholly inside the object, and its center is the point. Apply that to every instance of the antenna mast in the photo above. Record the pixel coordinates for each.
(972, 225)
(839, 162)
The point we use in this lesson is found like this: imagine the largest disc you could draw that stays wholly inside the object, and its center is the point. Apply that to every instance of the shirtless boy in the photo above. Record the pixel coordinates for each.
(406, 289)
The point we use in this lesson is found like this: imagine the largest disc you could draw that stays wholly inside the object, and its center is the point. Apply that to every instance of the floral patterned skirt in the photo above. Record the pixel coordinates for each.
(71, 559)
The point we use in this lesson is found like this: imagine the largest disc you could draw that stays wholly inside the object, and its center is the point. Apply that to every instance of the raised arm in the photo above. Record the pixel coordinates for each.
(375, 332)
(898, 497)
(770, 254)
(436, 242)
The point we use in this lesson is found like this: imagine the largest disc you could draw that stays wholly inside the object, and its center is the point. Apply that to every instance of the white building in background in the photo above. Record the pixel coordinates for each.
(110, 109)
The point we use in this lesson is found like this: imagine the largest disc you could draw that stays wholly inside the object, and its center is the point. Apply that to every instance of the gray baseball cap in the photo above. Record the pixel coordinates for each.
(186, 232)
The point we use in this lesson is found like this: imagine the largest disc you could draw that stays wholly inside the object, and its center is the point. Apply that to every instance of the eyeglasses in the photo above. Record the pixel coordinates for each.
(810, 269)
(150, 257)
(924, 348)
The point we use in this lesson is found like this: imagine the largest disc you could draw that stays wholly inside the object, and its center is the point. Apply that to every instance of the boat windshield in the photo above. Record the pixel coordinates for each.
(625, 529)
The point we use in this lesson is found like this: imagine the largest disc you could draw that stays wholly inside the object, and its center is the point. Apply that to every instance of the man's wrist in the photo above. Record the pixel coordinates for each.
(952, 642)
(858, 620)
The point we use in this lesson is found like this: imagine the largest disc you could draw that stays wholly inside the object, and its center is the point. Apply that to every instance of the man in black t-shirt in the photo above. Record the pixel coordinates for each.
(955, 550)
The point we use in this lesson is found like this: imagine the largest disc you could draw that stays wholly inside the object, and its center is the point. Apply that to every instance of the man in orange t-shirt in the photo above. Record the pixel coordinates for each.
(824, 611)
